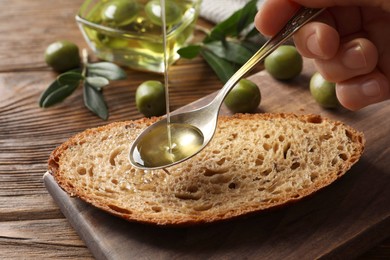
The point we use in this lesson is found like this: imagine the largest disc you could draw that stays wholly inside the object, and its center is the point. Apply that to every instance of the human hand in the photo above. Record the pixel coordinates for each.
(349, 42)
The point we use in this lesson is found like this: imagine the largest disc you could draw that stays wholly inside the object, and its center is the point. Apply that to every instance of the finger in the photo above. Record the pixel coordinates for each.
(346, 18)
(273, 15)
(364, 90)
(384, 4)
(317, 40)
(354, 58)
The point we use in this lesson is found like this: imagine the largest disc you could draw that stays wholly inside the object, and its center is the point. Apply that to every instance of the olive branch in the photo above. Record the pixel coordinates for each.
(92, 76)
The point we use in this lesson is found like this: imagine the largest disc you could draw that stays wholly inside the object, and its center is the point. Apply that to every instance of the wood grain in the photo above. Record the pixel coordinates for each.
(34, 238)
(31, 224)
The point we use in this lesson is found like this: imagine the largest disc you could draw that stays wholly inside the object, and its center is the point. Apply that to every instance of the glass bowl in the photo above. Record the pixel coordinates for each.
(129, 32)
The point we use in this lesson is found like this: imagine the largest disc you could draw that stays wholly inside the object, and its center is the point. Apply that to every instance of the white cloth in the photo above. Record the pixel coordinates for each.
(218, 10)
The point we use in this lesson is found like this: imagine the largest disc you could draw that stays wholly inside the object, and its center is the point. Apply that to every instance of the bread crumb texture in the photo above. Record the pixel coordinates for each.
(254, 162)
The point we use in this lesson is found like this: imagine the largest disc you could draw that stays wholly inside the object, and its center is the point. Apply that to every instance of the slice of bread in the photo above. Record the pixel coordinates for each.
(254, 162)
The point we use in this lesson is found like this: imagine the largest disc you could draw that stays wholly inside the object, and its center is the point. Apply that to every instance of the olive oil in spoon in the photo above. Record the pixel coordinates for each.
(170, 142)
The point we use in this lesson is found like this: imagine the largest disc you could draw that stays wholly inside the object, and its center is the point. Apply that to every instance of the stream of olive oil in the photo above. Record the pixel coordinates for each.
(166, 76)
(172, 142)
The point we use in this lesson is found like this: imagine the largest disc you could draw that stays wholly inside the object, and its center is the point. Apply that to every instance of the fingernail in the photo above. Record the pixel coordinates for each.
(371, 88)
(313, 46)
(354, 58)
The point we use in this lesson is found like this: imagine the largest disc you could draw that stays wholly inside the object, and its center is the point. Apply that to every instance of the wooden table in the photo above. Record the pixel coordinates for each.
(31, 224)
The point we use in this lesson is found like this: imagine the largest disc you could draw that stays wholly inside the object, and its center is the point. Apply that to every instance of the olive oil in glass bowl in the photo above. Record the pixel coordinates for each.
(129, 32)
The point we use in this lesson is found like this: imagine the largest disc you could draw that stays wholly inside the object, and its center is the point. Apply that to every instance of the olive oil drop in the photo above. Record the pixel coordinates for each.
(172, 142)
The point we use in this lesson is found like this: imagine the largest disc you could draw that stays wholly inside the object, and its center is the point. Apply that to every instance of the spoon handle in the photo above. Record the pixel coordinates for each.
(300, 18)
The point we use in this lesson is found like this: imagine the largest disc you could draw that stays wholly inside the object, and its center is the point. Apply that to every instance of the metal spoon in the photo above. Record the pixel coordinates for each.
(205, 118)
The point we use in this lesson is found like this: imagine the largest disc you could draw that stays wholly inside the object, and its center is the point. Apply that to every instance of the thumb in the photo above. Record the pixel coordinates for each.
(383, 4)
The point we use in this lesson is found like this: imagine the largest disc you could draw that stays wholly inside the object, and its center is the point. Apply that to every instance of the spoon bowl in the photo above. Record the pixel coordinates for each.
(203, 121)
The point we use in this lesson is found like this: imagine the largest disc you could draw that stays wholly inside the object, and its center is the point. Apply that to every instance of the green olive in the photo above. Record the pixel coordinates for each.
(284, 63)
(323, 91)
(119, 12)
(150, 98)
(62, 56)
(244, 97)
(172, 12)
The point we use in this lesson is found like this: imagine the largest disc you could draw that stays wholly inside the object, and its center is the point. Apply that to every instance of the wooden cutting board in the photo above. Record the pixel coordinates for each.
(343, 220)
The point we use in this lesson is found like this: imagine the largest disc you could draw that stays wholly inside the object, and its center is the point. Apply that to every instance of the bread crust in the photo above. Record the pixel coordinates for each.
(82, 184)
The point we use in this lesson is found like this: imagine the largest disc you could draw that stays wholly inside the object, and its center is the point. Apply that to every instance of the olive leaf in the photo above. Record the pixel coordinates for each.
(94, 101)
(58, 94)
(254, 33)
(97, 82)
(107, 70)
(221, 67)
(57, 91)
(230, 51)
(251, 46)
(234, 24)
(53, 87)
(189, 52)
(229, 44)
(70, 77)
(246, 16)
